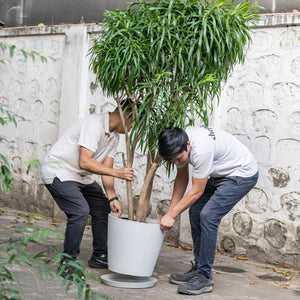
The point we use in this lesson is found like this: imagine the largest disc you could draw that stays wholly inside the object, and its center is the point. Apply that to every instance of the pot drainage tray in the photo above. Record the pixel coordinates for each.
(127, 281)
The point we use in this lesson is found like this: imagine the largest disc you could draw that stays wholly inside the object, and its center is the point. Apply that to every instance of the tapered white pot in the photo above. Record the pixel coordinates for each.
(133, 247)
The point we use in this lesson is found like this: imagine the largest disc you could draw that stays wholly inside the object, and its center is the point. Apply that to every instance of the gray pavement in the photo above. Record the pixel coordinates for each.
(235, 279)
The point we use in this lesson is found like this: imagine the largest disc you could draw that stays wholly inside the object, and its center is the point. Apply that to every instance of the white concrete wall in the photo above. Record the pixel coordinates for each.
(259, 104)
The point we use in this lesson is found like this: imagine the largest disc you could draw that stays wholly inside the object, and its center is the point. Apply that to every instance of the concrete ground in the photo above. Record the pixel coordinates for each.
(235, 278)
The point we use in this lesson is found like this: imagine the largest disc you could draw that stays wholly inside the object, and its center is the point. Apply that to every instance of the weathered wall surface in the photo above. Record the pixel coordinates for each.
(32, 90)
(260, 105)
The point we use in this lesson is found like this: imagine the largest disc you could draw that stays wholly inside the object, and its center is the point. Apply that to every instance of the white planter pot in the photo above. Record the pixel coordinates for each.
(133, 247)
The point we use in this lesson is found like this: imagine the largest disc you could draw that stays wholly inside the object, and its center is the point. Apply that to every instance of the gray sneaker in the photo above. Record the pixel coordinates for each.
(197, 285)
(176, 278)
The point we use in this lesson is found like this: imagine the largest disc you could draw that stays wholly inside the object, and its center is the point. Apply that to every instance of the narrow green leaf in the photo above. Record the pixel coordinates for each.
(11, 50)
(24, 53)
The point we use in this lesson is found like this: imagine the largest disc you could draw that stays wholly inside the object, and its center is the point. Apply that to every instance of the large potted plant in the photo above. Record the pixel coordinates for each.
(170, 58)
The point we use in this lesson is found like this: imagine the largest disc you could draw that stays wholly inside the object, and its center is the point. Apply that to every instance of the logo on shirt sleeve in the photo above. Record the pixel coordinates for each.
(211, 132)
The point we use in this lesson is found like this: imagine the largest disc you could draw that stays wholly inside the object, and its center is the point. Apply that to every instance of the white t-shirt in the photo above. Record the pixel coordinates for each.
(216, 153)
(91, 132)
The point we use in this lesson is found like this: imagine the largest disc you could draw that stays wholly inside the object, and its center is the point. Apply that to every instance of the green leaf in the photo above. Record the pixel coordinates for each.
(32, 54)
(24, 53)
(3, 47)
(11, 50)
(43, 59)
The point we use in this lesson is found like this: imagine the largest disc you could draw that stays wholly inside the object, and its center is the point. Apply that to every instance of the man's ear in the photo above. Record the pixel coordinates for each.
(188, 144)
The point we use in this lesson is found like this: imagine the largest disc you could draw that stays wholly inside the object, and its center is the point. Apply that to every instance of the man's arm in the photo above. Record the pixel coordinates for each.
(180, 184)
(108, 185)
(87, 162)
(168, 220)
(108, 181)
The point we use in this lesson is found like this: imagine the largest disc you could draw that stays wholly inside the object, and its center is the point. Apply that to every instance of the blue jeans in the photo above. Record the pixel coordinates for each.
(78, 201)
(219, 197)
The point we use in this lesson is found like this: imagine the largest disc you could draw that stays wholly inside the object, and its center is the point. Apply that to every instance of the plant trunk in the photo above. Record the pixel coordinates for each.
(128, 163)
(145, 195)
(129, 189)
(130, 199)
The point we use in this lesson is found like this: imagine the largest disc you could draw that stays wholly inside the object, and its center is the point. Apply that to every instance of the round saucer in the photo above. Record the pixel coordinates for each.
(127, 281)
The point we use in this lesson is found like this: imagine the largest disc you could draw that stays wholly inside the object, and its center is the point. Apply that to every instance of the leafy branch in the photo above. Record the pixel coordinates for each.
(6, 117)
(16, 252)
(32, 54)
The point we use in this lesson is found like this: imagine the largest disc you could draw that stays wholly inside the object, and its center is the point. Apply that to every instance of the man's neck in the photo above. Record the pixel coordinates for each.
(114, 120)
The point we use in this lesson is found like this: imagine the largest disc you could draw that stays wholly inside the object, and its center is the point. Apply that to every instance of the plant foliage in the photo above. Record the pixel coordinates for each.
(32, 54)
(6, 117)
(172, 57)
(16, 252)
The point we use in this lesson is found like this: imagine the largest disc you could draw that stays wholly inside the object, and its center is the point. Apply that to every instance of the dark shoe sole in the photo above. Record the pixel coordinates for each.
(173, 281)
(206, 289)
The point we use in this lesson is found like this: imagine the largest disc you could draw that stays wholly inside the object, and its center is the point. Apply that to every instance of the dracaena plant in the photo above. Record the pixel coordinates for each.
(169, 58)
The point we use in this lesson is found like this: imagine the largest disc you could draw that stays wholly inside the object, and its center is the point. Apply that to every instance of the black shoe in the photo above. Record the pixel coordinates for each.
(176, 278)
(65, 269)
(197, 285)
(70, 269)
(98, 261)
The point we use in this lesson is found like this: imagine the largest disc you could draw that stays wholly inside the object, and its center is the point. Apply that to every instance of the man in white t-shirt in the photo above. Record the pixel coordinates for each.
(87, 147)
(224, 171)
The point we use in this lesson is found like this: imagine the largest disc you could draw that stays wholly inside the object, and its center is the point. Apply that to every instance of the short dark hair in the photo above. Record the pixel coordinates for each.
(128, 106)
(171, 142)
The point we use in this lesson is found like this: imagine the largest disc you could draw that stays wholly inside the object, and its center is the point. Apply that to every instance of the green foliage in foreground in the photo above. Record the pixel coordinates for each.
(16, 252)
(6, 117)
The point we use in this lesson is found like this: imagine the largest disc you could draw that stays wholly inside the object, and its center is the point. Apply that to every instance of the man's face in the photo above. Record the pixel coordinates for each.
(182, 156)
(128, 121)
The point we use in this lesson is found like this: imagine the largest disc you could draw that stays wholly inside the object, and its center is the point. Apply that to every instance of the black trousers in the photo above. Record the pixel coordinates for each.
(78, 201)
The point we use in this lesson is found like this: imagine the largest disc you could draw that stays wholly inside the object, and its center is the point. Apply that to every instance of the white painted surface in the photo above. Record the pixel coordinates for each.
(133, 247)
